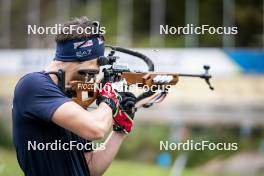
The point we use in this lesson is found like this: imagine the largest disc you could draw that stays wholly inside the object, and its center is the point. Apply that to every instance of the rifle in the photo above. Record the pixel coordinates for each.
(84, 92)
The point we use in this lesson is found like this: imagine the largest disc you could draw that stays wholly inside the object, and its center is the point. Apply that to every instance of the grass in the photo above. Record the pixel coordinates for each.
(9, 167)
(128, 168)
(8, 164)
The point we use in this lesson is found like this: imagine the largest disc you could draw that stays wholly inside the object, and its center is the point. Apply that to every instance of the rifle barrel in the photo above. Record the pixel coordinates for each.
(205, 76)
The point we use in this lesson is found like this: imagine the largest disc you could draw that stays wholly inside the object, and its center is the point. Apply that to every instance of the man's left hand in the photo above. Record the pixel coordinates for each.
(123, 118)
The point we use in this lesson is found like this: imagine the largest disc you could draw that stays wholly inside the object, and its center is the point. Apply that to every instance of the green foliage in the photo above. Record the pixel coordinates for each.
(143, 142)
(5, 137)
(215, 135)
(226, 134)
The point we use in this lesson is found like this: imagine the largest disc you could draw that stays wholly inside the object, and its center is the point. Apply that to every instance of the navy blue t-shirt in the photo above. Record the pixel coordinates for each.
(36, 98)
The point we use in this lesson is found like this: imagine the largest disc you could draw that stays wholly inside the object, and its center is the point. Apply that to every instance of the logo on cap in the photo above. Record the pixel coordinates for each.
(82, 44)
(83, 53)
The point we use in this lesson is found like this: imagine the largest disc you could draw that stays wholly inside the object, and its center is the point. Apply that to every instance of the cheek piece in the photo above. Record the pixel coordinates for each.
(80, 50)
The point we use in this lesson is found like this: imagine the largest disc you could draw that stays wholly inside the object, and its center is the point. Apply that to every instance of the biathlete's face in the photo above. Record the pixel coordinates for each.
(92, 64)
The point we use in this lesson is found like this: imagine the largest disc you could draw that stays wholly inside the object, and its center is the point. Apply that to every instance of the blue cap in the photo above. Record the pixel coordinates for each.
(80, 49)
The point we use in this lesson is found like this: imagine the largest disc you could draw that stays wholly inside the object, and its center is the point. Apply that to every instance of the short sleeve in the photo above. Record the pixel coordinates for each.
(38, 97)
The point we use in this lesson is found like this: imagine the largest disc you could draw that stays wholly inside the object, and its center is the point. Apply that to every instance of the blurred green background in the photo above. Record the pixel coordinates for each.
(135, 20)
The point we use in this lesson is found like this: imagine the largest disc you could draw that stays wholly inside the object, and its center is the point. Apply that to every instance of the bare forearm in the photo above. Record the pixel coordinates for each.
(103, 116)
(99, 123)
(89, 125)
(99, 161)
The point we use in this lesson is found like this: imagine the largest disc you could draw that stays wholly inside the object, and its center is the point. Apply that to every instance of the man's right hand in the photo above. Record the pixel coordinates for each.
(122, 105)
(109, 96)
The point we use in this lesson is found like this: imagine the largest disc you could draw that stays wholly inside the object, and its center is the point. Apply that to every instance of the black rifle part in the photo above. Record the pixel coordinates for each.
(110, 59)
(61, 79)
(143, 57)
(206, 76)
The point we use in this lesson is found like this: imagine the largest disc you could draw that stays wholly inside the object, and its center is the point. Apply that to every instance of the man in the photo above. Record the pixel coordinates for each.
(43, 114)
